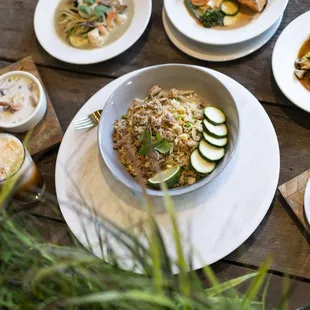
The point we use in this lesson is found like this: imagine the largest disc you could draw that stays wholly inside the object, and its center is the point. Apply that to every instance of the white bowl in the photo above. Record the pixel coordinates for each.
(32, 120)
(167, 76)
(283, 61)
(307, 202)
(187, 25)
(44, 25)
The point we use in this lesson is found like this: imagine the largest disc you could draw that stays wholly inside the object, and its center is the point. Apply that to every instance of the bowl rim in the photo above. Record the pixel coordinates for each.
(261, 24)
(296, 92)
(41, 96)
(178, 190)
(46, 33)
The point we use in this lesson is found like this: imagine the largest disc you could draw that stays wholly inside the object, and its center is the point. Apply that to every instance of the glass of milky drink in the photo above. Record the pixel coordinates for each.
(22, 101)
(18, 172)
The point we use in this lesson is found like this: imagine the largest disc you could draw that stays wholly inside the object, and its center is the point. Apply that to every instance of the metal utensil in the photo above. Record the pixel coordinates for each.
(89, 121)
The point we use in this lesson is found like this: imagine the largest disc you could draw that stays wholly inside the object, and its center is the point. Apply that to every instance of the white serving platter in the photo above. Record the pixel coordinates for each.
(214, 220)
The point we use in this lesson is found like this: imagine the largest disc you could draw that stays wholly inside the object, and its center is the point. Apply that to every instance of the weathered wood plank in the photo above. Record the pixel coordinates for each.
(294, 192)
(58, 233)
(277, 235)
(254, 71)
(48, 132)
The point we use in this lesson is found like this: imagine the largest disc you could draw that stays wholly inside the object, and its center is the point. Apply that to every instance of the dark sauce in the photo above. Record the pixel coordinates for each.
(305, 49)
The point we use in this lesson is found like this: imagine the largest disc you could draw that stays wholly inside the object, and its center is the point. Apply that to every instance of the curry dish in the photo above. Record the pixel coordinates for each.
(302, 65)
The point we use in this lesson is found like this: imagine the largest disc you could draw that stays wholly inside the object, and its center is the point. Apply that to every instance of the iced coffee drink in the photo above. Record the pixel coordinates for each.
(18, 172)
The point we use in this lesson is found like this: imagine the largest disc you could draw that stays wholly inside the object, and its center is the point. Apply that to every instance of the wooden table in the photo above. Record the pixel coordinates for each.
(70, 86)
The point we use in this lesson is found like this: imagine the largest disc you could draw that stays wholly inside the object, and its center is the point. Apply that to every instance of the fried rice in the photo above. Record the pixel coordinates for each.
(174, 115)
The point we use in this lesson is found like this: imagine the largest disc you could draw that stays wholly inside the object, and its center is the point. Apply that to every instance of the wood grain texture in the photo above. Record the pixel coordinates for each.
(254, 71)
(277, 235)
(48, 132)
(58, 233)
(294, 192)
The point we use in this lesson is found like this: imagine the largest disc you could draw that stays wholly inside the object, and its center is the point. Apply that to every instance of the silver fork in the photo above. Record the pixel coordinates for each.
(89, 121)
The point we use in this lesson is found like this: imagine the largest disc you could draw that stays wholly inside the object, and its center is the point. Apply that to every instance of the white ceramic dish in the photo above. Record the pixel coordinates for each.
(307, 202)
(44, 25)
(284, 55)
(213, 52)
(215, 220)
(167, 76)
(189, 27)
(32, 120)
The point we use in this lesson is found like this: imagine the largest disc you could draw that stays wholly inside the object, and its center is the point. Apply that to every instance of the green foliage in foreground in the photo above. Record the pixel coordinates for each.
(36, 275)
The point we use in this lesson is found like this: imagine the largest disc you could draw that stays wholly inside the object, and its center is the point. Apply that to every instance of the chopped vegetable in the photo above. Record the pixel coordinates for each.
(212, 18)
(230, 8)
(90, 22)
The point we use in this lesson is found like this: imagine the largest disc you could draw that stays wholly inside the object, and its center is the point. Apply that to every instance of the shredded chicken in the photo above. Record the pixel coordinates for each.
(176, 115)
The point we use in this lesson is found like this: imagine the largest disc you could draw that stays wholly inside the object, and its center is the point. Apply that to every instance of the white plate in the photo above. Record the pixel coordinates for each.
(213, 52)
(215, 220)
(284, 55)
(44, 25)
(187, 25)
(307, 202)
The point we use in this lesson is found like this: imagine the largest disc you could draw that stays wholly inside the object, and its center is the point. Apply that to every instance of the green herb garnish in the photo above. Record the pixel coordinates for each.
(101, 10)
(212, 18)
(85, 9)
(163, 147)
(149, 143)
(188, 124)
(124, 116)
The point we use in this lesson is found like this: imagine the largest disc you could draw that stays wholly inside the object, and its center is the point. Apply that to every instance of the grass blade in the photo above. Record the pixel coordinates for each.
(220, 288)
(115, 296)
(256, 284)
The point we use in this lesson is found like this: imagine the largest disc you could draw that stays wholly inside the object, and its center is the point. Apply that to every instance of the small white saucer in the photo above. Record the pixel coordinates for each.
(307, 202)
(283, 59)
(214, 52)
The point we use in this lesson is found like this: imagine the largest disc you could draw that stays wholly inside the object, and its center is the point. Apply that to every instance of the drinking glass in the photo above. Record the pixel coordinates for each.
(23, 181)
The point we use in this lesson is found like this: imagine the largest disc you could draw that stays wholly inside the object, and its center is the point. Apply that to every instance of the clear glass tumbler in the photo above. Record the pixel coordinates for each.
(19, 175)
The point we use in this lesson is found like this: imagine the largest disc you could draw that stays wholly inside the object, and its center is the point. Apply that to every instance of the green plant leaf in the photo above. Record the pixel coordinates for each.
(163, 147)
(108, 297)
(229, 284)
(158, 138)
(256, 283)
(147, 137)
(101, 10)
(144, 150)
(85, 9)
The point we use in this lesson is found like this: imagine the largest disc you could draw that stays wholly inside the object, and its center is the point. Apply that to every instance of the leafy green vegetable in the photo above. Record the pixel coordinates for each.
(101, 10)
(89, 1)
(163, 147)
(85, 9)
(147, 137)
(212, 18)
(188, 124)
(159, 144)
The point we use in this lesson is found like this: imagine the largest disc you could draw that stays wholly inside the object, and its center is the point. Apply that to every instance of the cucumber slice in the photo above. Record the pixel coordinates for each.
(209, 152)
(217, 131)
(215, 141)
(201, 165)
(230, 8)
(170, 176)
(230, 20)
(214, 115)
